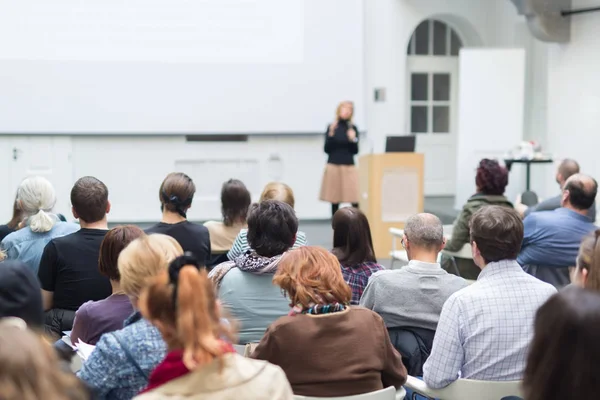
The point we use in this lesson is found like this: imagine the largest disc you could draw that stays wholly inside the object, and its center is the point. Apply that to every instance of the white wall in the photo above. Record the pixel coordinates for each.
(574, 93)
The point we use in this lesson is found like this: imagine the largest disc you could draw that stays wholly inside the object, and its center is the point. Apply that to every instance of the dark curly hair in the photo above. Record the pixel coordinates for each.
(491, 178)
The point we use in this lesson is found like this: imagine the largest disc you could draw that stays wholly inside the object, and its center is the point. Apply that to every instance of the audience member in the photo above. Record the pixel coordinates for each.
(15, 221)
(587, 272)
(564, 357)
(491, 180)
(20, 294)
(95, 318)
(121, 363)
(35, 198)
(413, 296)
(353, 246)
(235, 200)
(176, 194)
(552, 238)
(245, 285)
(485, 329)
(30, 369)
(68, 270)
(325, 347)
(566, 169)
(200, 364)
(273, 191)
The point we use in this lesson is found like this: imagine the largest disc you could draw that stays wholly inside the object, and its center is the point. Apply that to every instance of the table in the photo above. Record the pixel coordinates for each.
(510, 161)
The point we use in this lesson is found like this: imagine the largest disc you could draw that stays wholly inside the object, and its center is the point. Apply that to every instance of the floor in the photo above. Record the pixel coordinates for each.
(318, 233)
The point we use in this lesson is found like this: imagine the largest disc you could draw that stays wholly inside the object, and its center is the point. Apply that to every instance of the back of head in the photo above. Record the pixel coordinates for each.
(235, 200)
(312, 275)
(582, 191)
(30, 369)
(112, 245)
(566, 169)
(278, 191)
(491, 178)
(176, 193)
(425, 231)
(498, 232)
(352, 241)
(20, 294)
(145, 257)
(36, 199)
(182, 303)
(588, 259)
(89, 198)
(272, 227)
(565, 351)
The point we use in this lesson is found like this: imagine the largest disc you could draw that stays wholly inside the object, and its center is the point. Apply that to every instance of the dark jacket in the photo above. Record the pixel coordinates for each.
(20, 294)
(460, 232)
(341, 150)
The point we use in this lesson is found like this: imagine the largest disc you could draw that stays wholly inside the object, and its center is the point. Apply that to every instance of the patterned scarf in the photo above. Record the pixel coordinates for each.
(316, 309)
(247, 262)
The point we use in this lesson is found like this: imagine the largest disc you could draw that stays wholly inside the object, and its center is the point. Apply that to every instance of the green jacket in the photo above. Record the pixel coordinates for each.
(460, 233)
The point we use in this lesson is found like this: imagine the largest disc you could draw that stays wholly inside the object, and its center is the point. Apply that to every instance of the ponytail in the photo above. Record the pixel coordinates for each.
(42, 221)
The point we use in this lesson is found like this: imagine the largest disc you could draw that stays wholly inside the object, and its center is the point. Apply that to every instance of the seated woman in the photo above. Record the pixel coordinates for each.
(245, 285)
(563, 358)
(121, 363)
(176, 194)
(587, 272)
(200, 364)
(353, 246)
(325, 347)
(31, 369)
(235, 200)
(491, 180)
(95, 318)
(273, 191)
(36, 199)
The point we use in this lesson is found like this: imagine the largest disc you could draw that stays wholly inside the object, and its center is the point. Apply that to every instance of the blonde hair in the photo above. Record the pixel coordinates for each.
(30, 369)
(278, 191)
(338, 110)
(589, 259)
(146, 257)
(36, 199)
(190, 321)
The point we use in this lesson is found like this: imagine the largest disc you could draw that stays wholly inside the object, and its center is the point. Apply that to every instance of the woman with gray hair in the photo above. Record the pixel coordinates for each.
(36, 199)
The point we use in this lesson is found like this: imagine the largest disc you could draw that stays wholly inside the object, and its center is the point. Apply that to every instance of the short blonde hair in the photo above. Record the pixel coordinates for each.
(278, 191)
(144, 258)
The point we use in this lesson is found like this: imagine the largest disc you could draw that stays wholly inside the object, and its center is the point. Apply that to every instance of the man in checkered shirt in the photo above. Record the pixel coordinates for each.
(485, 329)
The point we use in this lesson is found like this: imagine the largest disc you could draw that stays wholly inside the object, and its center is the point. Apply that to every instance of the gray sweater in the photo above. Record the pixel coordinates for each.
(412, 296)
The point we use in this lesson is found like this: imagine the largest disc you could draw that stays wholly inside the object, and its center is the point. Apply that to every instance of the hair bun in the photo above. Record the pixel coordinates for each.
(177, 264)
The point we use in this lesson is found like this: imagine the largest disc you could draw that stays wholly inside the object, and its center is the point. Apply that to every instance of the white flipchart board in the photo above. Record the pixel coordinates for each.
(490, 115)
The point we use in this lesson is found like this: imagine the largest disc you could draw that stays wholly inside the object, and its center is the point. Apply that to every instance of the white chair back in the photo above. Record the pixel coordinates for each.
(467, 389)
(240, 349)
(384, 394)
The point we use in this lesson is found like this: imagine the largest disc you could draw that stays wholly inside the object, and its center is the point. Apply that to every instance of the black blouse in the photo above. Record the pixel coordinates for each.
(341, 150)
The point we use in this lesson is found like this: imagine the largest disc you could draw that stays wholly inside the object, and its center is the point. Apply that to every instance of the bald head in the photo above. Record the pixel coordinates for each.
(424, 230)
(580, 192)
(566, 169)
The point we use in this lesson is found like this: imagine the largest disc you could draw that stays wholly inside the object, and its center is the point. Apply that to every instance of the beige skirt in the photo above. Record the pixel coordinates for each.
(340, 184)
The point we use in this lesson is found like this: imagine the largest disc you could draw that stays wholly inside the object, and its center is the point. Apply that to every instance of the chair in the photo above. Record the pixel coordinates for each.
(466, 389)
(464, 253)
(240, 349)
(529, 198)
(388, 393)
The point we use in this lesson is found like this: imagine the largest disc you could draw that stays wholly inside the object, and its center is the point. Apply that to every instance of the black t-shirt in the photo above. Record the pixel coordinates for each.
(69, 268)
(192, 237)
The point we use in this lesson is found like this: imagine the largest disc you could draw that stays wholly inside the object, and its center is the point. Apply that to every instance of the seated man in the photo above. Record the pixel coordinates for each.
(552, 238)
(68, 272)
(414, 295)
(566, 169)
(485, 329)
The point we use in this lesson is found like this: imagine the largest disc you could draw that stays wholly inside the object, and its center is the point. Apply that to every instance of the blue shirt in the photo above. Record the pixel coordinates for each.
(27, 246)
(111, 373)
(252, 300)
(552, 238)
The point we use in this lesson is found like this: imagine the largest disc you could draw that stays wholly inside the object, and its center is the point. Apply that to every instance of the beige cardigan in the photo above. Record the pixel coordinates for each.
(240, 378)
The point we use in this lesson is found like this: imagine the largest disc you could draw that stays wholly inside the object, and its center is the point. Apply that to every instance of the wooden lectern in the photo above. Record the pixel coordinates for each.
(391, 190)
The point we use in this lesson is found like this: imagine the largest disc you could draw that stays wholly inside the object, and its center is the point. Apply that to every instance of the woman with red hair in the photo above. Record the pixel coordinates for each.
(326, 347)
(201, 363)
(491, 181)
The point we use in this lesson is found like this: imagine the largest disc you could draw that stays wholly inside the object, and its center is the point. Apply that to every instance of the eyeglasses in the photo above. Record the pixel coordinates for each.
(402, 240)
